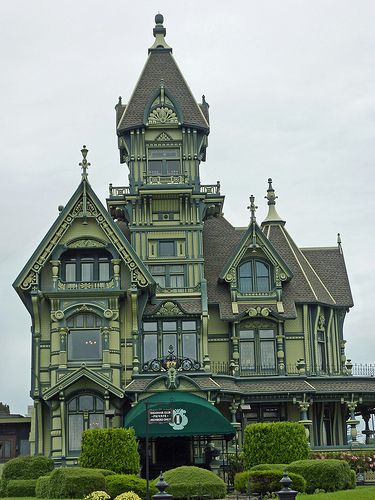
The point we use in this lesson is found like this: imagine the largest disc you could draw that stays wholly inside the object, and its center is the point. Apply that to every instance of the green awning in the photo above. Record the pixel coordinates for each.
(191, 416)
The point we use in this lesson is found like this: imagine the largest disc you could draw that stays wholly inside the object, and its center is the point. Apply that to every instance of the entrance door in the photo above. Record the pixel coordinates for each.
(7, 448)
(171, 453)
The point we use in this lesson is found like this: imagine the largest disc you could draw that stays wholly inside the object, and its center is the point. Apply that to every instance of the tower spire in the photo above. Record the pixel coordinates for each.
(272, 215)
(159, 33)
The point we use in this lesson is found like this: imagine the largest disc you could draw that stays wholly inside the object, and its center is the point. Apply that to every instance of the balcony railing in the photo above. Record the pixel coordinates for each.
(118, 191)
(165, 179)
(185, 289)
(228, 368)
(211, 188)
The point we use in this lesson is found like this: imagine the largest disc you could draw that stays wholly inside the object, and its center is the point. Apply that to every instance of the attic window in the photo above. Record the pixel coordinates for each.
(86, 265)
(254, 276)
(164, 161)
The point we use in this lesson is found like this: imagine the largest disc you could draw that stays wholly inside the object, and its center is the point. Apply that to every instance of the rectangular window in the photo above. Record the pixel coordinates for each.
(86, 403)
(87, 271)
(189, 325)
(169, 340)
(164, 161)
(172, 276)
(167, 248)
(189, 345)
(150, 347)
(104, 271)
(169, 326)
(247, 355)
(96, 421)
(70, 271)
(75, 423)
(84, 345)
(150, 326)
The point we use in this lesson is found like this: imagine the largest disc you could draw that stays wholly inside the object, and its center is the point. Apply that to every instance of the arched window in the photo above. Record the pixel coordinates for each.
(254, 276)
(84, 412)
(86, 265)
(84, 338)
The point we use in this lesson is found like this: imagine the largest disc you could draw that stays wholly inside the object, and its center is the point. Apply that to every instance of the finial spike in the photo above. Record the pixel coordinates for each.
(339, 242)
(159, 33)
(271, 198)
(84, 163)
(252, 207)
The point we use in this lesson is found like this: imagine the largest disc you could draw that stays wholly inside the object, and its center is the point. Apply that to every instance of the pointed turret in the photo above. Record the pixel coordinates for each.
(272, 216)
(161, 65)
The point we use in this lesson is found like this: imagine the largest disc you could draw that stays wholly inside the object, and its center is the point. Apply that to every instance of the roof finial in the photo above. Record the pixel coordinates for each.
(272, 216)
(84, 163)
(252, 207)
(339, 242)
(159, 33)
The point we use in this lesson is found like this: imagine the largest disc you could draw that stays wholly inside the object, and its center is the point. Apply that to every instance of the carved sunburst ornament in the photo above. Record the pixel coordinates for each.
(162, 115)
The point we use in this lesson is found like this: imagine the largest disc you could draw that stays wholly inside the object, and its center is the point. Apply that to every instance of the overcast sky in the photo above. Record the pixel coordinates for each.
(291, 88)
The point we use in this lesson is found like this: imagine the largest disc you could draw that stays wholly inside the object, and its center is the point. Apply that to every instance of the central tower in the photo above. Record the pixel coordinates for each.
(162, 137)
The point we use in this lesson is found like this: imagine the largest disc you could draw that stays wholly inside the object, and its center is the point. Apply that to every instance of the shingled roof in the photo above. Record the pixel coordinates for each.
(161, 65)
(220, 239)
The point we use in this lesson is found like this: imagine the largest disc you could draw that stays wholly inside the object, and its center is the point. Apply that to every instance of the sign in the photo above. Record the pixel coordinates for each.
(162, 416)
(179, 419)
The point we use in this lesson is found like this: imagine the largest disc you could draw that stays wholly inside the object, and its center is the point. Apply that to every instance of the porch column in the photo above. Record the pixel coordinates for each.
(304, 406)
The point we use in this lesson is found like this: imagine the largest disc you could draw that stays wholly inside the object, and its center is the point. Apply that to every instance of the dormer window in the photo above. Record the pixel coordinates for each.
(254, 276)
(88, 265)
(164, 161)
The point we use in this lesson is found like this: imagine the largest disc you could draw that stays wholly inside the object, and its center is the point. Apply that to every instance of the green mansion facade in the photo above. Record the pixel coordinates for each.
(156, 303)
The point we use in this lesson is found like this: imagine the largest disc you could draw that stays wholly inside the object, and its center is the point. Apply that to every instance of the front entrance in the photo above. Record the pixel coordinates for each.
(172, 452)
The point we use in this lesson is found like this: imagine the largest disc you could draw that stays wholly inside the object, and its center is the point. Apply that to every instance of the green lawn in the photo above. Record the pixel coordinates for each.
(360, 493)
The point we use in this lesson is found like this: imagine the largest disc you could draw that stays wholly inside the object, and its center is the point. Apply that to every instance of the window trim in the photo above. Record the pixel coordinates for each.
(79, 258)
(167, 274)
(256, 342)
(164, 160)
(77, 329)
(254, 276)
(179, 331)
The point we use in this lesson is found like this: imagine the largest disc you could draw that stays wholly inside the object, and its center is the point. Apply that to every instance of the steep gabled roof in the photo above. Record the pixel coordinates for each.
(84, 201)
(254, 236)
(76, 375)
(161, 66)
(330, 265)
(306, 286)
(219, 240)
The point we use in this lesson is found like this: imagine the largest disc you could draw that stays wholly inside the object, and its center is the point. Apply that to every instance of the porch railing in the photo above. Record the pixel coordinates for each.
(228, 368)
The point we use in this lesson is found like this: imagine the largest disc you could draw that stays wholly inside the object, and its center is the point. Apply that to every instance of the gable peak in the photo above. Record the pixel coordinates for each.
(272, 215)
(159, 33)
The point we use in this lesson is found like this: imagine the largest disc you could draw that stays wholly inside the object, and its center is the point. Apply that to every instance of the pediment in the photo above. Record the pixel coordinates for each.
(254, 240)
(84, 206)
(75, 376)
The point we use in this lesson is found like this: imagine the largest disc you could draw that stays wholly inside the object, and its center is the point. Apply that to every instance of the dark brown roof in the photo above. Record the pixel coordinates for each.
(329, 263)
(306, 285)
(219, 241)
(161, 65)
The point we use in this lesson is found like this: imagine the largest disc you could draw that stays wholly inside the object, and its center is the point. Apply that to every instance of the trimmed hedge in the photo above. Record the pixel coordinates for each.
(27, 468)
(276, 442)
(74, 482)
(21, 487)
(188, 481)
(3, 488)
(263, 481)
(121, 483)
(42, 487)
(329, 475)
(281, 467)
(114, 449)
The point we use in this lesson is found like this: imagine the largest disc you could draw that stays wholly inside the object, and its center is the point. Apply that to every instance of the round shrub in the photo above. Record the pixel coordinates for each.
(114, 449)
(276, 442)
(75, 482)
(97, 495)
(189, 481)
(42, 487)
(281, 467)
(329, 475)
(27, 468)
(263, 481)
(129, 495)
(121, 483)
(21, 487)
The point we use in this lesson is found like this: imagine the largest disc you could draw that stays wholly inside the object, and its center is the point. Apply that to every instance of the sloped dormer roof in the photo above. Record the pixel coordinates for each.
(161, 66)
